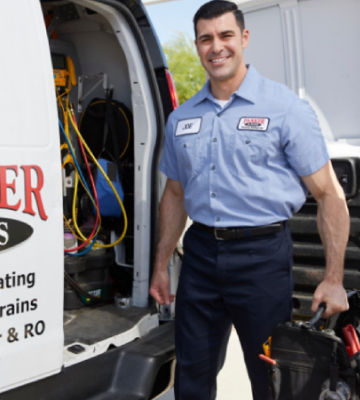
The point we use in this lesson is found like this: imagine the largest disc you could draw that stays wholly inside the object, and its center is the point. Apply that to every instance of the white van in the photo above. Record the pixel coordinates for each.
(312, 46)
(80, 77)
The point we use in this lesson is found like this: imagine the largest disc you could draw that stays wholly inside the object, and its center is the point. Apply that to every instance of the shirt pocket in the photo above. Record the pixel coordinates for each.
(191, 154)
(248, 148)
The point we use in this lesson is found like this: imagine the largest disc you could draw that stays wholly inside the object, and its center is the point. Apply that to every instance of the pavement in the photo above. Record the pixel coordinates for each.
(233, 382)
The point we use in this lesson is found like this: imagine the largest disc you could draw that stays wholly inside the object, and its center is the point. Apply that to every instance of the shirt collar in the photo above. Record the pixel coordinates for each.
(247, 90)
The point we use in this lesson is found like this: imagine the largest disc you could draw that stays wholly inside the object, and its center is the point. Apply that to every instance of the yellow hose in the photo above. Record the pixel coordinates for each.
(121, 237)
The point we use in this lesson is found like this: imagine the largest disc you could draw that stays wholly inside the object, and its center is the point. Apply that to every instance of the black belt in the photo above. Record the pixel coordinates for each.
(242, 232)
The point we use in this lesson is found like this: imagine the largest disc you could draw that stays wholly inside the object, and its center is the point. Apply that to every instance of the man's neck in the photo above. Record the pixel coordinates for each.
(223, 89)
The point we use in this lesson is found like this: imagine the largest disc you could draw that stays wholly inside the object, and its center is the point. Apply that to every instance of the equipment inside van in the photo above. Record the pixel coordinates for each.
(79, 191)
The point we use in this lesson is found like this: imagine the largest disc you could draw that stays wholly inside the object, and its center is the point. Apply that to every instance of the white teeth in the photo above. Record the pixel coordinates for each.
(216, 60)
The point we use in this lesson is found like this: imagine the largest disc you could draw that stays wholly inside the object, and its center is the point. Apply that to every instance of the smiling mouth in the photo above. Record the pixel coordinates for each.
(218, 60)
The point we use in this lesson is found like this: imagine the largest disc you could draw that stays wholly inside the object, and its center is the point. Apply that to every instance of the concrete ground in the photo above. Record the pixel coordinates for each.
(233, 382)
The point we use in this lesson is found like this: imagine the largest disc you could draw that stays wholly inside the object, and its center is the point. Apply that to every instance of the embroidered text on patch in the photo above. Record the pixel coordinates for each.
(188, 126)
(253, 123)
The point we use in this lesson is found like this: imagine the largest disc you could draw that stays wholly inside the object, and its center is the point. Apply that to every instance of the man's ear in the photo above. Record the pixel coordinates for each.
(196, 45)
(245, 38)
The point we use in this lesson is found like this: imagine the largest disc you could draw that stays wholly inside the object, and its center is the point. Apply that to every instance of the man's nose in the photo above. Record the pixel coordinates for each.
(217, 46)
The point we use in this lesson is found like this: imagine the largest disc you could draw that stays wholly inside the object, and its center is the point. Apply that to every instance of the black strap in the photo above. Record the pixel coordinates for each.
(334, 369)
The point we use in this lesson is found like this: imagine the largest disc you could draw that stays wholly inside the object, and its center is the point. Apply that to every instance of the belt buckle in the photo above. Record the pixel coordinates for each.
(216, 233)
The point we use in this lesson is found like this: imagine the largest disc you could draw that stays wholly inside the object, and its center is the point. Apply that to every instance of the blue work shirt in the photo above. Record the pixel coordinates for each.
(241, 165)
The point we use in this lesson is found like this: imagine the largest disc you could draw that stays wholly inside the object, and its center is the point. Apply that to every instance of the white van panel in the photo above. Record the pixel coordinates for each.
(331, 33)
(31, 271)
(305, 44)
(270, 59)
(23, 68)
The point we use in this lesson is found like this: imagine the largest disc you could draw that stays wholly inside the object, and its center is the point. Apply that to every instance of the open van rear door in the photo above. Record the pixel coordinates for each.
(31, 233)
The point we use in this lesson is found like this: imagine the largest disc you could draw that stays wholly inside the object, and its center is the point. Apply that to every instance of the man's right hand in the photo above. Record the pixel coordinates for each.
(160, 287)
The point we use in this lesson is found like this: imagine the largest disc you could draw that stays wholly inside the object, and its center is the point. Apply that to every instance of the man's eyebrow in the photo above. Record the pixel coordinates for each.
(227, 32)
(204, 36)
(222, 33)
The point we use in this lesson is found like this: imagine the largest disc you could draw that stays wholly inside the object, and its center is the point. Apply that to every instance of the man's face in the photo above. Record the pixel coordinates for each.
(220, 45)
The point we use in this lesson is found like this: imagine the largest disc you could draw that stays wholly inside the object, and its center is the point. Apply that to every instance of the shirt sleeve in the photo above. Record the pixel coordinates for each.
(303, 141)
(168, 161)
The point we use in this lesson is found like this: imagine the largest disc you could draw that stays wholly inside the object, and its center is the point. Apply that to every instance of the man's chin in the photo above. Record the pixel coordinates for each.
(220, 76)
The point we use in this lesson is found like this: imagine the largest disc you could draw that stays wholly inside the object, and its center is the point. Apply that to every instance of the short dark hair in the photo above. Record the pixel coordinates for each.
(216, 8)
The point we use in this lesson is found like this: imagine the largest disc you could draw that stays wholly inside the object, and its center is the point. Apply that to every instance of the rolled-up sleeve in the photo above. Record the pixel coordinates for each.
(302, 140)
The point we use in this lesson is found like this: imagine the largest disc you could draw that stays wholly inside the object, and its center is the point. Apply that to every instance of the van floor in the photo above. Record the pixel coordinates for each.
(91, 324)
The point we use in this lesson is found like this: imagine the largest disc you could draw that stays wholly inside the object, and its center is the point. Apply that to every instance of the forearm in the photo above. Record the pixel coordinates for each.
(333, 226)
(172, 221)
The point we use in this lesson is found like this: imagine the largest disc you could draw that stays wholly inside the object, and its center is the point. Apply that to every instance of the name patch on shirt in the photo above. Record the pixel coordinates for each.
(188, 126)
(253, 124)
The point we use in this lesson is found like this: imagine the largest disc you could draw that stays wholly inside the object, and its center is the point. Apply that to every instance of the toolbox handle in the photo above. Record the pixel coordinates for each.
(320, 311)
(316, 318)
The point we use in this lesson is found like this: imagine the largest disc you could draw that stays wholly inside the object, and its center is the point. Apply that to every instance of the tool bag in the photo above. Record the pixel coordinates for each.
(309, 363)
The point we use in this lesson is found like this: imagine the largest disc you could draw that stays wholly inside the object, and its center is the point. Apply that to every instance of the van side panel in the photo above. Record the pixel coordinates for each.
(266, 47)
(31, 234)
(332, 61)
(310, 45)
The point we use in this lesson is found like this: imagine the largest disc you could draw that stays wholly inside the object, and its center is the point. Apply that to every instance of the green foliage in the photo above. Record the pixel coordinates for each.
(184, 65)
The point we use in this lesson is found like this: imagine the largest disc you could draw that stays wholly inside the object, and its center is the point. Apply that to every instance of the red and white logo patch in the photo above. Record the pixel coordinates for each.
(253, 124)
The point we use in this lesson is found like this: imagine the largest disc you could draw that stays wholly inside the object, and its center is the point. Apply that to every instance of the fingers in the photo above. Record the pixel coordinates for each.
(159, 288)
(315, 304)
(162, 296)
(156, 294)
(333, 295)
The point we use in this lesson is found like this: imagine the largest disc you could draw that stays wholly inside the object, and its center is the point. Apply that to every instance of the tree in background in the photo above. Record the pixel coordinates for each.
(184, 65)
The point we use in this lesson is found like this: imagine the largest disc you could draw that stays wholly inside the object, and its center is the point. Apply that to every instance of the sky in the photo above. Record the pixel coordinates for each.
(172, 17)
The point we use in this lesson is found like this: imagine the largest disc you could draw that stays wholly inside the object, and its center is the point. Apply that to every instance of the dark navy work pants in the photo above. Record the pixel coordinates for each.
(245, 282)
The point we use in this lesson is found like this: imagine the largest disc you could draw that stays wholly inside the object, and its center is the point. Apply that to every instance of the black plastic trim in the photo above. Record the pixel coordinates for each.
(125, 373)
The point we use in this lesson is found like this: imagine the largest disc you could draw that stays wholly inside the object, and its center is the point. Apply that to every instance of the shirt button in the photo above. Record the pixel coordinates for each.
(217, 219)
(215, 139)
(213, 167)
(247, 141)
(185, 145)
(213, 195)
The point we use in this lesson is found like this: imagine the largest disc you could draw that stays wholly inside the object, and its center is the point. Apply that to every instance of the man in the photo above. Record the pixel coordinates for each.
(238, 156)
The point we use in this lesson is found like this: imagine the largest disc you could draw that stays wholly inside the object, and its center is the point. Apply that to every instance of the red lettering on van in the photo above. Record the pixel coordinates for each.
(5, 186)
(31, 190)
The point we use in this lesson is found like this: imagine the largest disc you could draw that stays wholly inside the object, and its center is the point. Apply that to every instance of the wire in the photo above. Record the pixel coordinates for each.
(73, 155)
(67, 112)
(121, 237)
(94, 191)
(126, 121)
(93, 233)
(89, 298)
(92, 238)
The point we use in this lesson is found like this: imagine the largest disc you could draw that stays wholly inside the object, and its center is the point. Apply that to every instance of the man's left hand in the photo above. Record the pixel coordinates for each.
(333, 295)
